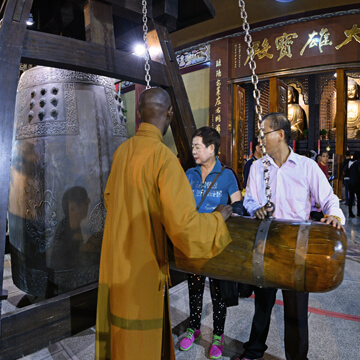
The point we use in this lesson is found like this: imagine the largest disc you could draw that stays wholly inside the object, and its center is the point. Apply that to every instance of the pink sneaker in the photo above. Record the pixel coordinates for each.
(191, 335)
(217, 347)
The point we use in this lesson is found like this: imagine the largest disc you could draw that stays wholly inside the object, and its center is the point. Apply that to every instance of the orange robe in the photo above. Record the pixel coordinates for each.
(147, 196)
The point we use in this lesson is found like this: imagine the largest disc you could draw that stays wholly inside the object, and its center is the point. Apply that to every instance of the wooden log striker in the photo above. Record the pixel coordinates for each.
(286, 254)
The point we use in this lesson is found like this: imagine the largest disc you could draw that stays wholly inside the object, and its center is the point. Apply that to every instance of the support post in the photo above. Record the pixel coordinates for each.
(274, 95)
(12, 33)
(340, 129)
(183, 124)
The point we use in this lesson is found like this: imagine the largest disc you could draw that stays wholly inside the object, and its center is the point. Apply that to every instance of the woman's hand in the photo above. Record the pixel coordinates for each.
(225, 211)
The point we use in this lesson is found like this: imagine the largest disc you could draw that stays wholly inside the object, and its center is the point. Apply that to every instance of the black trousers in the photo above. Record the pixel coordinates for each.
(196, 285)
(353, 189)
(296, 335)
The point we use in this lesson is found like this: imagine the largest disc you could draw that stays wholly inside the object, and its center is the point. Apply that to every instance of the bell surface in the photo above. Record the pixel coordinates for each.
(67, 126)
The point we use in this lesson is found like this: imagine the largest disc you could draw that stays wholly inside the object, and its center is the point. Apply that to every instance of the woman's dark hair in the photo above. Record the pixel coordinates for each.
(278, 121)
(209, 137)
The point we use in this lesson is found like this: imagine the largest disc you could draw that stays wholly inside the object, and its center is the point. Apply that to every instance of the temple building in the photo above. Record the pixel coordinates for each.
(72, 72)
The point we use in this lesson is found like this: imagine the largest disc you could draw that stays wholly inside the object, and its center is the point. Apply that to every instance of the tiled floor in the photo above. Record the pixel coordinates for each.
(334, 320)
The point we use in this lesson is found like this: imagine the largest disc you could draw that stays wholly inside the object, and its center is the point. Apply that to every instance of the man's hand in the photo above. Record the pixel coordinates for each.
(261, 213)
(331, 220)
(225, 211)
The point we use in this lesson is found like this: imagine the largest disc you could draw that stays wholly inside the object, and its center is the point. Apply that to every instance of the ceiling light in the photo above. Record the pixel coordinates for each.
(139, 50)
(284, 1)
(30, 20)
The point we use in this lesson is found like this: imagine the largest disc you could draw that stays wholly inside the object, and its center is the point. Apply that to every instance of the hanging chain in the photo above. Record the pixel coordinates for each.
(145, 37)
(258, 107)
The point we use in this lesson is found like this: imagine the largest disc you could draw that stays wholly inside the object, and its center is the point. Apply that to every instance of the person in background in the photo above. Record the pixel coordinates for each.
(257, 154)
(148, 199)
(323, 163)
(354, 184)
(292, 179)
(315, 212)
(205, 148)
(346, 174)
(312, 154)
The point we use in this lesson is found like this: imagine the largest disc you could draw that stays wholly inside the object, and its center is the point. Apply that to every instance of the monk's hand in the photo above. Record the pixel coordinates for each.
(225, 211)
(261, 213)
(334, 221)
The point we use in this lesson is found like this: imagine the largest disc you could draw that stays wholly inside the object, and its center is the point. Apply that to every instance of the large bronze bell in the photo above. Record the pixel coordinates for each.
(67, 126)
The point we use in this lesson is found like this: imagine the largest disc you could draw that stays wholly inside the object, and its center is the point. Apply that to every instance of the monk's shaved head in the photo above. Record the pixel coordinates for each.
(153, 101)
(155, 107)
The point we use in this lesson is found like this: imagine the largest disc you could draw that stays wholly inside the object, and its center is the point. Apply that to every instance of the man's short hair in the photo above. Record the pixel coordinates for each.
(209, 137)
(278, 121)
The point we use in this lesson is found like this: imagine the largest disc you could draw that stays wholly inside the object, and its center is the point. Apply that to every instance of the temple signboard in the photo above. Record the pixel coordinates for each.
(220, 96)
(305, 44)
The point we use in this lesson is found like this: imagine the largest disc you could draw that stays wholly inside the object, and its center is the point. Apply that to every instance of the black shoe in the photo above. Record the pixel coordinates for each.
(351, 215)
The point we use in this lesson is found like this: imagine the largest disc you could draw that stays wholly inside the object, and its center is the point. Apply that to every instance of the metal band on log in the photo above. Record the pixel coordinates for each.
(259, 250)
(299, 255)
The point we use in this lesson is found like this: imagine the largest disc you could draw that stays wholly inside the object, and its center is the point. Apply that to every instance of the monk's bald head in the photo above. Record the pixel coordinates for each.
(153, 102)
(155, 107)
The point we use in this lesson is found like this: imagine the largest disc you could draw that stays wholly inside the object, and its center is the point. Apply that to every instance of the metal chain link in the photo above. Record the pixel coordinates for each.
(145, 37)
(258, 107)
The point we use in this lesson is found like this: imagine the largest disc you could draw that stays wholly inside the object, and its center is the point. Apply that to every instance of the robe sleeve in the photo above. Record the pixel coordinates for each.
(195, 235)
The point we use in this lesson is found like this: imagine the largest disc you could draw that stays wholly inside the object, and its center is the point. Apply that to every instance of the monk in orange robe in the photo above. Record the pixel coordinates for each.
(147, 197)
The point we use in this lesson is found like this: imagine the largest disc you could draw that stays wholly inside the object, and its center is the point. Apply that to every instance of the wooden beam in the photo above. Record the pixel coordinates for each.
(183, 124)
(274, 95)
(11, 39)
(36, 326)
(66, 53)
(235, 128)
(99, 25)
(340, 128)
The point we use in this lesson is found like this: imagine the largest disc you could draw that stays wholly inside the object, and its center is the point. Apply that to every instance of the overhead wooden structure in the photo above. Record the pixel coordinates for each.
(93, 36)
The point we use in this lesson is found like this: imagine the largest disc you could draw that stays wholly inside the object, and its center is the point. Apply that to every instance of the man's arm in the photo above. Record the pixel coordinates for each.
(323, 194)
(252, 203)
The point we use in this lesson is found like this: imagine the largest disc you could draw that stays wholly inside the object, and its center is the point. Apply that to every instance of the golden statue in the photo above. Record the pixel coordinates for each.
(353, 111)
(296, 114)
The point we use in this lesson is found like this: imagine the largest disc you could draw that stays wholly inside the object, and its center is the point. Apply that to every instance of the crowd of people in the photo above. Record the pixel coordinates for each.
(149, 199)
(350, 180)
